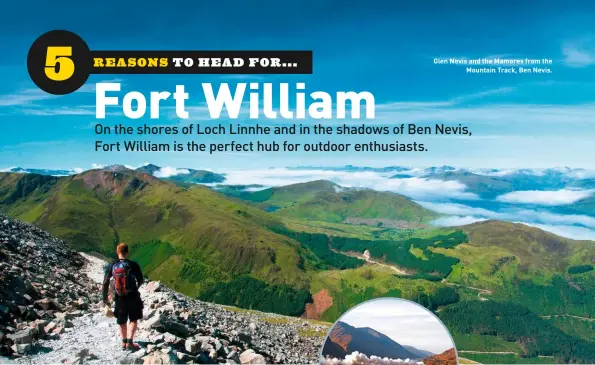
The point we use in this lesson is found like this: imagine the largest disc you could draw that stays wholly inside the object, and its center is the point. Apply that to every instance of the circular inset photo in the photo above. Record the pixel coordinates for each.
(389, 331)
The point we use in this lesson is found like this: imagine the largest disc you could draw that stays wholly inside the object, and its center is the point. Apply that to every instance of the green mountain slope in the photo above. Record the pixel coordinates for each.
(208, 238)
(191, 176)
(547, 280)
(326, 201)
(482, 279)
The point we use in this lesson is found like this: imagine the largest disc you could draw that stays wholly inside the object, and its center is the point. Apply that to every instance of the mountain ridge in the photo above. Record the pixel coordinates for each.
(323, 200)
(364, 340)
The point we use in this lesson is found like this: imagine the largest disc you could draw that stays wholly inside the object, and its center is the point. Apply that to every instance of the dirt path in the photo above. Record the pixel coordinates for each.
(569, 316)
(370, 261)
(93, 332)
(479, 290)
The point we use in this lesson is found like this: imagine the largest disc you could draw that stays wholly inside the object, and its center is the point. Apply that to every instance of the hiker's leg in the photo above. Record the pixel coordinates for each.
(123, 334)
(131, 330)
(123, 331)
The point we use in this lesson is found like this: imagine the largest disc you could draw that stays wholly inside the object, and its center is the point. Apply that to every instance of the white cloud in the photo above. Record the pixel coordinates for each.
(24, 97)
(514, 214)
(27, 97)
(97, 166)
(454, 221)
(43, 112)
(458, 209)
(487, 114)
(168, 171)
(572, 232)
(77, 170)
(581, 174)
(578, 54)
(91, 87)
(404, 105)
(549, 198)
(571, 226)
(132, 167)
(414, 187)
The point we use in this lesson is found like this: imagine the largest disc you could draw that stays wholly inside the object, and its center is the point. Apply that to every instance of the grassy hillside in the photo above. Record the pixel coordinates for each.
(526, 265)
(482, 279)
(209, 238)
(326, 201)
(546, 278)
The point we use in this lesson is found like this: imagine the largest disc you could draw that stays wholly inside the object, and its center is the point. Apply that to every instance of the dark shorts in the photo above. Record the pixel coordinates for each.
(128, 308)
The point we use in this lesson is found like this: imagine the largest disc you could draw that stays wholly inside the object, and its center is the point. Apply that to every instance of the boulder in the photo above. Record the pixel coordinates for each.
(49, 328)
(154, 322)
(22, 337)
(21, 348)
(47, 304)
(171, 339)
(39, 325)
(160, 358)
(251, 357)
(73, 360)
(176, 328)
(245, 337)
(192, 346)
(154, 286)
(130, 359)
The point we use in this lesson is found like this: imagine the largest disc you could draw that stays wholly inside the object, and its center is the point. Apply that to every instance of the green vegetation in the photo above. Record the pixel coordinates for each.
(362, 231)
(577, 327)
(562, 295)
(209, 238)
(399, 252)
(485, 343)
(512, 322)
(326, 201)
(354, 286)
(284, 244)
(150, 255)
(507, 359)
(441, 297)
(420, 276)
(246, 292)
(320, 246)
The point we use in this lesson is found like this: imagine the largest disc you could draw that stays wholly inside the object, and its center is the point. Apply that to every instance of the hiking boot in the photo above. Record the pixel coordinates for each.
(124, 344)
(132, 346)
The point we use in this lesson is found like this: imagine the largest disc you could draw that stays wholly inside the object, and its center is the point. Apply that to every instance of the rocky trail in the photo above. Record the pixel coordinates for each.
(50, 313)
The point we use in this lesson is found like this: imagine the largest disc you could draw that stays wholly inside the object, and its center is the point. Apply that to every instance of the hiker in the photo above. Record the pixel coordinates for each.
(127, 278)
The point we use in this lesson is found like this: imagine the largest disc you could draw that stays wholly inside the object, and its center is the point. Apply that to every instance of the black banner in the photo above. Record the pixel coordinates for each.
(201, 62)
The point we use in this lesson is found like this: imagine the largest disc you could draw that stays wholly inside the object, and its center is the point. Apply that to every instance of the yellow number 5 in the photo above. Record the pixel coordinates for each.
(58, 66)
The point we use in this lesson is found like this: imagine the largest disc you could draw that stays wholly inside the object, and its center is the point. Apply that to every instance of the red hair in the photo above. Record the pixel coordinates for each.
(122, 249)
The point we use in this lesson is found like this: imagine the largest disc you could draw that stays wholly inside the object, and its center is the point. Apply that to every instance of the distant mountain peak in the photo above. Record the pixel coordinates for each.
(116, 168)
(345, 339)
(149, 169)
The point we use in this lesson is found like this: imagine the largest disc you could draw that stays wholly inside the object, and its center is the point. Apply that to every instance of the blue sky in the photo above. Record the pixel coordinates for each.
(385, 47)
